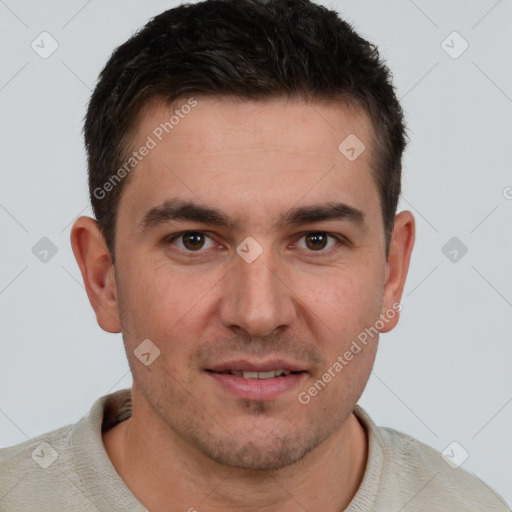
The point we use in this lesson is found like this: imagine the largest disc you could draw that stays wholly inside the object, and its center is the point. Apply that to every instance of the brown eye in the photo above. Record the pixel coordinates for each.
(316, 241)
(193, 240)
(320, 242)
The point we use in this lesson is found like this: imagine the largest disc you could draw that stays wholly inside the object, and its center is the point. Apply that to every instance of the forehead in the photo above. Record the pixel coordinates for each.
(250, 157)
(213, 124)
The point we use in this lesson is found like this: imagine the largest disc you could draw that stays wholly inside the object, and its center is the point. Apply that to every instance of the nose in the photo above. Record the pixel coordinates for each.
(256, 298)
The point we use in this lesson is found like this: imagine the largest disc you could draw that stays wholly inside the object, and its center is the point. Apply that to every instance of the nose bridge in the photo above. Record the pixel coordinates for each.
(255, 299)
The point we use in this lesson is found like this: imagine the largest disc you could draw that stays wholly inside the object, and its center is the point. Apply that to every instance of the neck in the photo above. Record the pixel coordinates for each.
(149, 459)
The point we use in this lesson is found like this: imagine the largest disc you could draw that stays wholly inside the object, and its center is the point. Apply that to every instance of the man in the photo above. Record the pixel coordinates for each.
(244, 170)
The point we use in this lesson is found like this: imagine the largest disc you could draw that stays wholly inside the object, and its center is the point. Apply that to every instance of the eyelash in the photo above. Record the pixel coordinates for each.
(341, 240)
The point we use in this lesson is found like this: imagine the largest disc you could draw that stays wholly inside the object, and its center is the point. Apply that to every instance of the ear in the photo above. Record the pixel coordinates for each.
(399, 257)
(97, 270)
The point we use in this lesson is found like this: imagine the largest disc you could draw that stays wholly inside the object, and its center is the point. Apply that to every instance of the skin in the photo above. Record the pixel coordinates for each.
(254, 161)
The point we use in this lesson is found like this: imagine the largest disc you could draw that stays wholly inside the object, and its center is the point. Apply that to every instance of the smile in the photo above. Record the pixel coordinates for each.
(258, 375)
(256, 385)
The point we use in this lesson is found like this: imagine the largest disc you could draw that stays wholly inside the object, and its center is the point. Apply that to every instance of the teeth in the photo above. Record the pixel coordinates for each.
(260, 375)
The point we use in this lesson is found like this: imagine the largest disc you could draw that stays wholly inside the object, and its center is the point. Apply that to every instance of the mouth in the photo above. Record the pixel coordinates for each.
(259, 382)
(257, 375)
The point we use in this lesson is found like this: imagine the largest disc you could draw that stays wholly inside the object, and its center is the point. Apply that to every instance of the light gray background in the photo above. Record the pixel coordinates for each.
(442, 375)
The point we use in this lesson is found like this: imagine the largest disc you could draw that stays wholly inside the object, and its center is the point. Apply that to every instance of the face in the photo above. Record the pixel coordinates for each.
(285, 274)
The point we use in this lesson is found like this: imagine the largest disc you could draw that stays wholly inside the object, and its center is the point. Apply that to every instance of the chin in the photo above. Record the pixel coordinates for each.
(257, 451)
(254, 457)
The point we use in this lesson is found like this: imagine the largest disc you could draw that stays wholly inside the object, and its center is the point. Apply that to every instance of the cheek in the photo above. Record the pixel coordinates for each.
(161, 302)
(344, 310)
(347, 300)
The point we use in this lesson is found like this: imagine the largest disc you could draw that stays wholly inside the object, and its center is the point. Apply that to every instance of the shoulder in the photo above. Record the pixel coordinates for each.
(68, 468)
(417, 477)
(434, 480)
(34, 471)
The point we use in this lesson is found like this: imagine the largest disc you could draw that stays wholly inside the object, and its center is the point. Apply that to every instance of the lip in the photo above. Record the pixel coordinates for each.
(257, 389)
(254, 366)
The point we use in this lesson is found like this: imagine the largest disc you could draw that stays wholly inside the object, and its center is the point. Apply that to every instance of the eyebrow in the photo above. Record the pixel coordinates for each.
(180, 210)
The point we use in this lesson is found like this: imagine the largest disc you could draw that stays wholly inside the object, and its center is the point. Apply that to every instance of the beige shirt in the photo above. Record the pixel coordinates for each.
(69, 470)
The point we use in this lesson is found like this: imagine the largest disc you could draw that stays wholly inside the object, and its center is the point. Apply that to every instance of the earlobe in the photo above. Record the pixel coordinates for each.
(97, 271)
(399, 257)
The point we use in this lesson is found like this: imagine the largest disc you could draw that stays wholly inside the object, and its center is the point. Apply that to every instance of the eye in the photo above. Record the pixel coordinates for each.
(318, 241)
(191, 241)
(311, 241)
